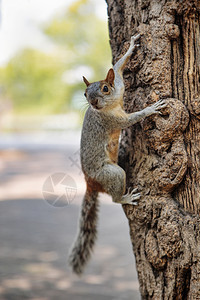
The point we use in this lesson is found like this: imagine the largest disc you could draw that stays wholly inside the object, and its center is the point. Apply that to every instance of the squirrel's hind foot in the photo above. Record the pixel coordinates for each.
(130, 197)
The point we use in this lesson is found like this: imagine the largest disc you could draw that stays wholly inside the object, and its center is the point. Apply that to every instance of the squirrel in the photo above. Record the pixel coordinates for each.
(101, 129)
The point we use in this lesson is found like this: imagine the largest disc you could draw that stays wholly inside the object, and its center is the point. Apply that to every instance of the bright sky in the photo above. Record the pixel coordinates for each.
(20, 20)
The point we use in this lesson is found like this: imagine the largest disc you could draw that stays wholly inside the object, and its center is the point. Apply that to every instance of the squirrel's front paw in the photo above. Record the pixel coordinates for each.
(134, 39)
(159, 105)
(155, 108)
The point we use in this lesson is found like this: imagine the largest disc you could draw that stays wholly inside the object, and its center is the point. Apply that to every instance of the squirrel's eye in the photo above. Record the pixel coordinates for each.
(105, 89)
(85, 94)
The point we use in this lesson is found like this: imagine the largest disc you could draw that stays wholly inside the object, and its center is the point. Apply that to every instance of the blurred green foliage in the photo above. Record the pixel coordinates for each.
(39, 83)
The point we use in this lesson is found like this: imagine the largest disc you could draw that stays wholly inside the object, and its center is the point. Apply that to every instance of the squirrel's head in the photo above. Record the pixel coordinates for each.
(100, 94)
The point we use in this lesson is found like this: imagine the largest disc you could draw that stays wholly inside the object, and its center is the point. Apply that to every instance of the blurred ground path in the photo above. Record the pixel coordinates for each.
(35, 236)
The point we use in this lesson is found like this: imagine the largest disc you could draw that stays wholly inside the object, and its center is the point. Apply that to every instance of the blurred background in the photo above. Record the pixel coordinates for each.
(46, 46)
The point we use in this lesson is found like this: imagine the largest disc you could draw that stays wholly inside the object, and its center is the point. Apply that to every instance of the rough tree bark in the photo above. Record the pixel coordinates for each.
(161, 155)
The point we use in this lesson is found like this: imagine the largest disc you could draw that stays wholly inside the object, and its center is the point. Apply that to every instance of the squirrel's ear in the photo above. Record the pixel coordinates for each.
(110, 77)
(86, 81)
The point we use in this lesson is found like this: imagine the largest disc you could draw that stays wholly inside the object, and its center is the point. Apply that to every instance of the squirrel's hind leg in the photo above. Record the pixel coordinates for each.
(113, 180)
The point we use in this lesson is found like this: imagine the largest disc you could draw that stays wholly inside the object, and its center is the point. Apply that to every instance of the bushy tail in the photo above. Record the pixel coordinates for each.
(87, 233)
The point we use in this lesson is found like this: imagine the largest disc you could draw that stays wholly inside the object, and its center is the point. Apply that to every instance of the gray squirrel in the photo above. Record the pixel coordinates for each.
(102, 125)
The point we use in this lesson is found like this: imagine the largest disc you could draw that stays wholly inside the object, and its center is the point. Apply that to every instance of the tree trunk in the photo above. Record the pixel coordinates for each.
(161, 155)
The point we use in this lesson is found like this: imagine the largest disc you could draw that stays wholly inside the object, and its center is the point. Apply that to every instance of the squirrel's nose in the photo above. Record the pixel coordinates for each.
(94, 102)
